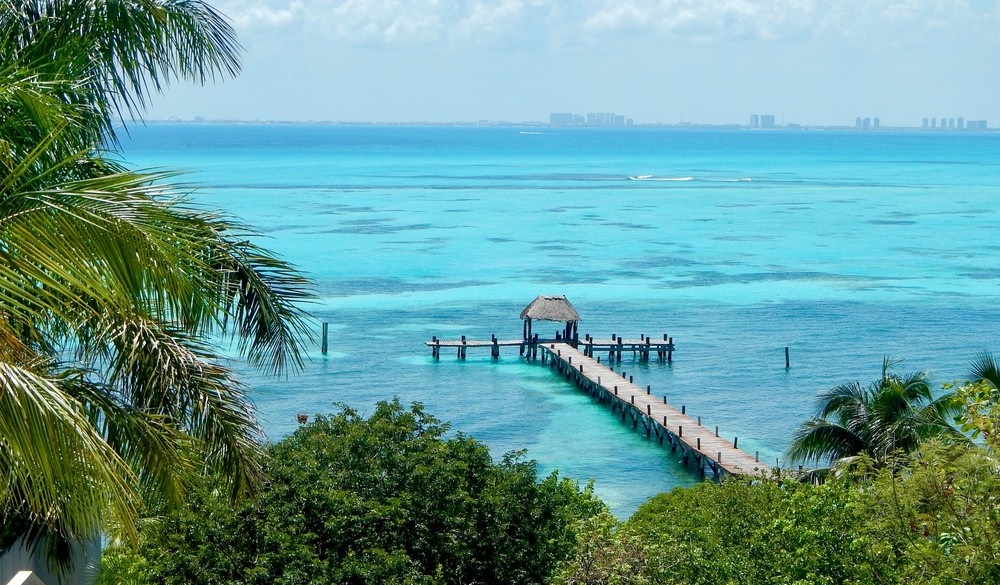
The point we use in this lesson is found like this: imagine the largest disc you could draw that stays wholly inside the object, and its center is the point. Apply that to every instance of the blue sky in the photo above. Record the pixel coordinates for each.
(712, 61)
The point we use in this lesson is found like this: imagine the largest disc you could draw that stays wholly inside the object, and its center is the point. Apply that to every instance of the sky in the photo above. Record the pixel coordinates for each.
(823, 62)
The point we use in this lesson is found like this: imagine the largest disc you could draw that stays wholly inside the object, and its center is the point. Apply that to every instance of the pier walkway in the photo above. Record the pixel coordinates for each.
(697, 445)
(641, 348)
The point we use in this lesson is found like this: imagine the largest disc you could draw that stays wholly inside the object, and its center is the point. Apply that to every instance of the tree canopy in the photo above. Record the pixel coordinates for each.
(383, 499)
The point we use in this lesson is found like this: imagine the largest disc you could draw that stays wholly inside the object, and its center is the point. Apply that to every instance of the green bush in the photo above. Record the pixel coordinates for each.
(387, 499)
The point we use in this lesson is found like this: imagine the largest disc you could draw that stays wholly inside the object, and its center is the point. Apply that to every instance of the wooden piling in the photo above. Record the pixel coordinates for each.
(326, 330)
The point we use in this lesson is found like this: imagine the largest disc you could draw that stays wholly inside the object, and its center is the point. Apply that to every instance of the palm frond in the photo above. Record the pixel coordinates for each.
(985, 368)
(50, 451)
(163, 373)
(819, 440)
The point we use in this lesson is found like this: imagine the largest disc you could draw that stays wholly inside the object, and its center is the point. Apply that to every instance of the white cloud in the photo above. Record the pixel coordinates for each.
(258, 14)
(548, 22)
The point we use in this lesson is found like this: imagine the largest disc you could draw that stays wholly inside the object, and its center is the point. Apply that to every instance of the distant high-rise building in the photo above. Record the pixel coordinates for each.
(602, 119)
(857, 122)
(933, 122)
(876, 123)
(960, 123)
(927, 123)
(767, 121)
(561, 119)
(755, 121)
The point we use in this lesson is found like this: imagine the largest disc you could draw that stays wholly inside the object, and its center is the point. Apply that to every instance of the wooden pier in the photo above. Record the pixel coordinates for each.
(641, 348)
(693, 443)
(575, 358)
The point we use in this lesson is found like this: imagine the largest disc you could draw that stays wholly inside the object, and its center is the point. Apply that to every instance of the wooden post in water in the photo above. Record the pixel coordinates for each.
(670, 350)
(787, 363)
(326, 329)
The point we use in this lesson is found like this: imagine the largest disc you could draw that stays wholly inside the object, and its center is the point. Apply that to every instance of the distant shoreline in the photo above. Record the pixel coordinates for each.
(537, 124)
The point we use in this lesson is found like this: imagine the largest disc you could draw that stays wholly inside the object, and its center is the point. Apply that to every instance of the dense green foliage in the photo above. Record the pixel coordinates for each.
(933, 521)
(383, 499)
(928, 514)
(112, 287)
(743, 531)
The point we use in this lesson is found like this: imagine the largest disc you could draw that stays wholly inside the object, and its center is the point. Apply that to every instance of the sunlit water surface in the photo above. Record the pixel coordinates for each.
(842, 246)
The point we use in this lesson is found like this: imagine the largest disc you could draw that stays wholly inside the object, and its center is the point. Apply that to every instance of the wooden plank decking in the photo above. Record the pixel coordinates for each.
(616, 346)
(698, 444)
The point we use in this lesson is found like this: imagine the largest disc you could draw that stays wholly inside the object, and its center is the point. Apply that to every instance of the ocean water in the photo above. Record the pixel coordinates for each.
(842, 246)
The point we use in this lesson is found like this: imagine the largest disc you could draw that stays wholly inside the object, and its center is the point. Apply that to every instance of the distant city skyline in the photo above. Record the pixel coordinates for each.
(613, 120)
(660, 61)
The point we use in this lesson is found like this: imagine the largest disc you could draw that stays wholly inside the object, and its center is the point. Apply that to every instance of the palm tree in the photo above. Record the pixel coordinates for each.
(985, 369)
(980, 398)
(892, 414)
(113, 287)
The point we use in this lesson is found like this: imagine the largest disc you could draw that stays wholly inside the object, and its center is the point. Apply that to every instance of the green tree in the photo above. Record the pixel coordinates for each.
(891, 415)
(113, 288)
(383, 499)
(744, 531)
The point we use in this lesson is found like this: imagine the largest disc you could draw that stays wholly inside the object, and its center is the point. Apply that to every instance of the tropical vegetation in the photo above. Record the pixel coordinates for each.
(921, 512)
(383, 499)
(890, 416)
(391, 499)
(113, 288)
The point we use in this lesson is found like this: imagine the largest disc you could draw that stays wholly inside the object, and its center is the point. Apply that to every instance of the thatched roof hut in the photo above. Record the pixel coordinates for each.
(551, 308)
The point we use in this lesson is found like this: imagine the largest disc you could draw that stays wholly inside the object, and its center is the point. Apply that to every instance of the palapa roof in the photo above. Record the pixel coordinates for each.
(550, 308)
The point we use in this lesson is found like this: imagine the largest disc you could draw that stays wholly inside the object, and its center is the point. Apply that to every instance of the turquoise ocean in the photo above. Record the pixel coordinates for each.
(843, 246)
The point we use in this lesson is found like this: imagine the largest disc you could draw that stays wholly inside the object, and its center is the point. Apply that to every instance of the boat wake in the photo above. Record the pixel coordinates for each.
(652, 178)
(682, 179)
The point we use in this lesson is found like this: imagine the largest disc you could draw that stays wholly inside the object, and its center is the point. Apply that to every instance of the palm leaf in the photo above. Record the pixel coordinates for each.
(984, 368)
(819, 440)
(50, 451)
